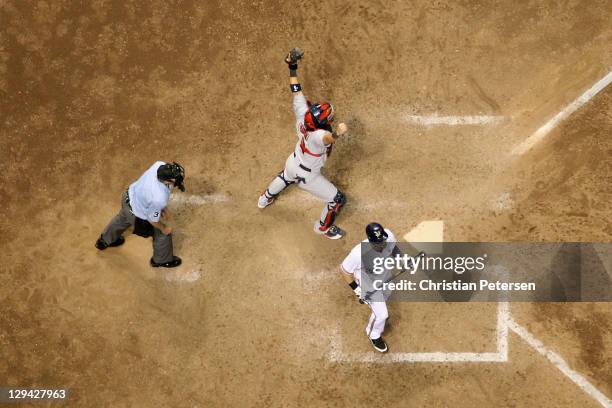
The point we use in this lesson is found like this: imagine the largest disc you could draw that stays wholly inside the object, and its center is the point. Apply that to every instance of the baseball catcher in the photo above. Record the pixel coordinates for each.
(316, 133)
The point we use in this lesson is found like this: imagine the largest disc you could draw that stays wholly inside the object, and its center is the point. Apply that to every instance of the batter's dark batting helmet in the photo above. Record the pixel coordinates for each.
(376, 233)
(319, 115)
(172, 171)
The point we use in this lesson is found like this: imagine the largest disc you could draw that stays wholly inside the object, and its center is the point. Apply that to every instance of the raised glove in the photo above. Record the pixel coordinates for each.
(294, 56)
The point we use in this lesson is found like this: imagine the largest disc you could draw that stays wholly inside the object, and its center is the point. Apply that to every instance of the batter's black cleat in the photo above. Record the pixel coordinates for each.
(176, 261)
(379, 345)
(101, 245)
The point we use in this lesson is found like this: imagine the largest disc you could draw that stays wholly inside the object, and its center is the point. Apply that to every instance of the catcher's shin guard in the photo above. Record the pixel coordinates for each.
(331, 210)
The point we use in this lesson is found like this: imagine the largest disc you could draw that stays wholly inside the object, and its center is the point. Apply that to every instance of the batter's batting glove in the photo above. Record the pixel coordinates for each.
(357, 291)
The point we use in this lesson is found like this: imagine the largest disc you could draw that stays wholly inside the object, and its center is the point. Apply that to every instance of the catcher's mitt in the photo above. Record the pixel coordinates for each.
(294, 56)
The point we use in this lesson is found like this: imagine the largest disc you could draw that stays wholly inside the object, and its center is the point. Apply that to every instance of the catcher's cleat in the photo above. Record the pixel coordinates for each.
(101, 245)
(379, 345)
(264, 201)
(176, 261)
(332, 232)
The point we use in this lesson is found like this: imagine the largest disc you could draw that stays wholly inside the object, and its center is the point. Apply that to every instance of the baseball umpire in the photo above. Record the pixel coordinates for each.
(144, 205)
(316, 135)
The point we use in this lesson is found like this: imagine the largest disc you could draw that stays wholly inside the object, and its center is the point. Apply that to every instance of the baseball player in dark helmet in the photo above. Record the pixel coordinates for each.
(383, 243)
(144, 206)
(377, 236)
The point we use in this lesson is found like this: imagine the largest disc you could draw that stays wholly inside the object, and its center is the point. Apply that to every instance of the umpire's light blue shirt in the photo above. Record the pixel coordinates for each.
(148, 195)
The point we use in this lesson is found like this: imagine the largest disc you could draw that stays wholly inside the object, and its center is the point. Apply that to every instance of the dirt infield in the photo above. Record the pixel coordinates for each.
(93, 93)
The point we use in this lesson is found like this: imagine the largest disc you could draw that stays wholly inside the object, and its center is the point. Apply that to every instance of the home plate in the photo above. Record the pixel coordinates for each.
(421, 236)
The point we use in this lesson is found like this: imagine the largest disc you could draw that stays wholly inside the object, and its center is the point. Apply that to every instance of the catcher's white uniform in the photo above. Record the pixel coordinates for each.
(303, 167)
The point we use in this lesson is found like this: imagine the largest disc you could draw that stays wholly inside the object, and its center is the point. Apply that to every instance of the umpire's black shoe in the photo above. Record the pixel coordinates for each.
(379, 344)
(101, 245)
(176, 261)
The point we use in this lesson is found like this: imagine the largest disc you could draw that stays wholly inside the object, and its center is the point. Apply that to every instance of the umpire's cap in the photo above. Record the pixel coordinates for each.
(376, 233)
(172, 171)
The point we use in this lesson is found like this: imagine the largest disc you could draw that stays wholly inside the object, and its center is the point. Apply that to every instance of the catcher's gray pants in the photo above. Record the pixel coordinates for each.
(313, 182)
(162, 243)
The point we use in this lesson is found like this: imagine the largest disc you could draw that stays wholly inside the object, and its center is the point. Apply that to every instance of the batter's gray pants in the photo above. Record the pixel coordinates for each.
(162, 243)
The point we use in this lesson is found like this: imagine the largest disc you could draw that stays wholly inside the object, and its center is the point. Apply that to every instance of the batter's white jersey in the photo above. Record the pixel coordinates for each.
(148, 195)
(353, 262)
(310, 150)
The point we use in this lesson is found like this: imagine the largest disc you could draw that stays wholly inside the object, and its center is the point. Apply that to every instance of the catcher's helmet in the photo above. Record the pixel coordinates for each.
(319, 115)
(376, 233)
(172, 171)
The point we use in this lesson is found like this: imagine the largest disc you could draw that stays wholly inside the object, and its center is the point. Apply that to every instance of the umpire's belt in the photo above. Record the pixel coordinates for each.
(302, 166)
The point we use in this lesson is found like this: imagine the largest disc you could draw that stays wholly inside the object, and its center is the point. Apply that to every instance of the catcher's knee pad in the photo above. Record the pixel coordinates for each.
(281, 176)
(333, 209)
(278, 185)
(340, 198)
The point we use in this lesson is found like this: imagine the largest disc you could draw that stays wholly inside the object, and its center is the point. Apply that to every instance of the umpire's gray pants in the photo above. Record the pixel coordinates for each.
(162, 243)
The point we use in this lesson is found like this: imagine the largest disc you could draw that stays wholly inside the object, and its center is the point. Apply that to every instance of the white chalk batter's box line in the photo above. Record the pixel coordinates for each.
(437, 120)
(500, 356)
(199, 199)
(504, 323)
